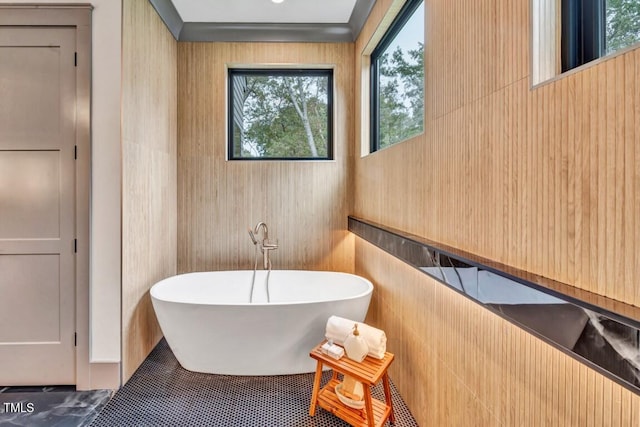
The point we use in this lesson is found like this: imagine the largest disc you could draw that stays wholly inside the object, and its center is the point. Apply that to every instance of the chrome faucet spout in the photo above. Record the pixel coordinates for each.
(264, 226)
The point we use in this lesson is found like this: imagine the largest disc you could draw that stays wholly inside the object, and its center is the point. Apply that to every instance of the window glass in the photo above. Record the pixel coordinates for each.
(397, 79)
(594, 28)
(623, 24)
(280, 114)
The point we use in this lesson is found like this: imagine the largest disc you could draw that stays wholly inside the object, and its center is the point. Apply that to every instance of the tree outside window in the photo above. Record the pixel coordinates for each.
(623, 24)
(397, 79)
(280, 114)
(592, 29)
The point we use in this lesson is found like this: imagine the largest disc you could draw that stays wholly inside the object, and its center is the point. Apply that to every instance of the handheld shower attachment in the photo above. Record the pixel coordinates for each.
(253, 237)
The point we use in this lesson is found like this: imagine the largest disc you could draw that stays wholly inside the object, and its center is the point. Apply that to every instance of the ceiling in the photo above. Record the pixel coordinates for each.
(263, 20)
(265, 11)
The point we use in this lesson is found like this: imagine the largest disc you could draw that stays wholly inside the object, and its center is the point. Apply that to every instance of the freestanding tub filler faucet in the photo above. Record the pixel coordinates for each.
(265, 245)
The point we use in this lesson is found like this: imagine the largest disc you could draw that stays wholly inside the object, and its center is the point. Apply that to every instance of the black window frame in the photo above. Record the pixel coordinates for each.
(311, 72)
(406, 12)
(583, 32)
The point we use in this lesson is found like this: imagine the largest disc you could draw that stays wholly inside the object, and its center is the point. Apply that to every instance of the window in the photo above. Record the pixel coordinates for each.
(595, 28)
(280, 114)
(397, 79)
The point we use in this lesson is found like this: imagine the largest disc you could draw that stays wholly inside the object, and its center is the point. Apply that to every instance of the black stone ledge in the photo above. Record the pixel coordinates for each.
(588, 327)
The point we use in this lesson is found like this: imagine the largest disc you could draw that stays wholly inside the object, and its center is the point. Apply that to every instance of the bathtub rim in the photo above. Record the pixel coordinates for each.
(367, 292)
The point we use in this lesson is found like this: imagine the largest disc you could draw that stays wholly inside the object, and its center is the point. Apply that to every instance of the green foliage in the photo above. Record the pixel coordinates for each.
(623, 24)
(282, 116)
(401, 95)
(285, 116)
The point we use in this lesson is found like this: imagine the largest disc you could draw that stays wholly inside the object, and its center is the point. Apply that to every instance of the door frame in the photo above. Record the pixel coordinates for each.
(79, 17)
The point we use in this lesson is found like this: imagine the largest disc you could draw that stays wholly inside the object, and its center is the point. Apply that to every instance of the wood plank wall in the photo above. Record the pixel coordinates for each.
(458, 364)
(149, 158)
(305, 204)
(546, 180)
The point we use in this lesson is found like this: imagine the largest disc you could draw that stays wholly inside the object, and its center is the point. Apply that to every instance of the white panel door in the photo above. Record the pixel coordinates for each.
(37, 206)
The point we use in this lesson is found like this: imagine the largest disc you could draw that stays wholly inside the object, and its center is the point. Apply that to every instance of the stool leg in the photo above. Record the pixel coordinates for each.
(387, 396)
(316, 388)
(368, 405)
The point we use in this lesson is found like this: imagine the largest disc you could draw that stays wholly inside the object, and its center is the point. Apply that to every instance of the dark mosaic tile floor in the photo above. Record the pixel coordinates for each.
(59, 406)
(162, 393)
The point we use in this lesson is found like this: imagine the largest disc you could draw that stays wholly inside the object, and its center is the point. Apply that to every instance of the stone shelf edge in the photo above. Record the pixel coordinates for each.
(590, 314)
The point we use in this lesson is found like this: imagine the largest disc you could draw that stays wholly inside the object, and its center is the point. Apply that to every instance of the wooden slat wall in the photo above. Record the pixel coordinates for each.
(149, 144)
(305, 204)
(546, 180)
(458, 364)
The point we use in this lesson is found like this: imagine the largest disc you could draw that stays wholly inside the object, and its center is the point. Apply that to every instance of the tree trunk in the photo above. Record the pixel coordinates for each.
(303, 113)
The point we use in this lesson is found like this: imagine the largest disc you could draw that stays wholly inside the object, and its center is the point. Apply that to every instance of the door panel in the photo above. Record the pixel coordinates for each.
(33, 97)
(33, 283)
(30, 194)
(37, 206)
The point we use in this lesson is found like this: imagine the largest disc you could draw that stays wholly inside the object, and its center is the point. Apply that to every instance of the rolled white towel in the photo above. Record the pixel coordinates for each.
(339, 328)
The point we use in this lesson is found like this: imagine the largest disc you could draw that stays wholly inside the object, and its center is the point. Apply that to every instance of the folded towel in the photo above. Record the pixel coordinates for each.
(339, 328)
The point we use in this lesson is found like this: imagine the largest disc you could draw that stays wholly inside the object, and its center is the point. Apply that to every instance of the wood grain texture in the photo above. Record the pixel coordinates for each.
(459, 364)
(546, 180)
(149, 158)
(304, 203)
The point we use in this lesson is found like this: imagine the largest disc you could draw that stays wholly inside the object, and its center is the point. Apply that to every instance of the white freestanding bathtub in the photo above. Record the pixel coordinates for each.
(212, 327)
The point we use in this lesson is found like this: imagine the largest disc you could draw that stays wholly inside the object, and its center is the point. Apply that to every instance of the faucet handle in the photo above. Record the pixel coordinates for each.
(269, 244)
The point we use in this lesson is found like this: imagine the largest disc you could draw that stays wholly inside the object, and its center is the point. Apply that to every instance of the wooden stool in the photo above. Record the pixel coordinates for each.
(368, 372)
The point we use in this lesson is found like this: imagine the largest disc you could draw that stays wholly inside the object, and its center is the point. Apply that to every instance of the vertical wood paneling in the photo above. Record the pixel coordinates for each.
(630, 230)
(545, 179)
(149, 139)
(459, 364)
(304, 203)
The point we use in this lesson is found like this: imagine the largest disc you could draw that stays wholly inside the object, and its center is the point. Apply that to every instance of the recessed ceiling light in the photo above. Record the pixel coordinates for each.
(277, 1)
